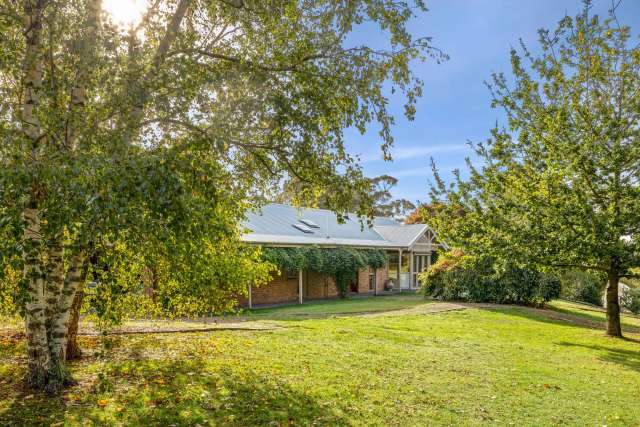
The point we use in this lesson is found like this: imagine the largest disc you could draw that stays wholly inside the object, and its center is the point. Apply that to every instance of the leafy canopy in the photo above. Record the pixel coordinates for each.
(189, 120)
(559, 186)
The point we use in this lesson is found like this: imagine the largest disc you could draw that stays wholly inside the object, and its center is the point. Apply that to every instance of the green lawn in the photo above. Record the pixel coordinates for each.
(504, 366)
(338, 307)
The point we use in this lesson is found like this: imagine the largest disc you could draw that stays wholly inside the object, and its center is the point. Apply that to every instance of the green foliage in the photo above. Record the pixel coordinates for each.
(181, 130)
(10, 293)
(341, 263)
(630, 300)
(378, 194)
(193, 279)
(148, 146)
(456, 276)
(582, 286)
(557, 186)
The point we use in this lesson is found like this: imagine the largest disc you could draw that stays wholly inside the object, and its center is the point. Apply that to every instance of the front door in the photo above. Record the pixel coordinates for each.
(353, 285)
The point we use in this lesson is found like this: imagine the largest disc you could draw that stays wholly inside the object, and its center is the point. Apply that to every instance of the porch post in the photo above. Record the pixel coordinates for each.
(300, 286)
(411, 267)
(375, 280)
(399, 269)
(250, 302)
(429, 260)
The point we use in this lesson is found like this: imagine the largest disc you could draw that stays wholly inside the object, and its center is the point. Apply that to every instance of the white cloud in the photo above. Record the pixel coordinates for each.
(419, 171)
(403, 153)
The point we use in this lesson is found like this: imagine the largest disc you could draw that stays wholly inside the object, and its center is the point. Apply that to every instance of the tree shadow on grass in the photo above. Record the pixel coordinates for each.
(627, 358)
(180, 392)
(354, 306)
(591, 314)
(557, 317)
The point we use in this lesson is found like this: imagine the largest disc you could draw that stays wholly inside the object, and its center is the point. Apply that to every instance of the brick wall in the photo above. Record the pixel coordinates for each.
(382, 274)
(363, 281)
(278, 290)
(317, 286)
(314, 286)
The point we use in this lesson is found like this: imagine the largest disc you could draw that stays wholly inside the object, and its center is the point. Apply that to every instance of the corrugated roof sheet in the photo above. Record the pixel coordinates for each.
(403, 235)
(274, 224)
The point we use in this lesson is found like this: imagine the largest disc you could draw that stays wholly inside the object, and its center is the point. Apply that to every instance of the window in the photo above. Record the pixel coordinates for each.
(372, 279)
(303, 228)
(309, 223)
(393, 269)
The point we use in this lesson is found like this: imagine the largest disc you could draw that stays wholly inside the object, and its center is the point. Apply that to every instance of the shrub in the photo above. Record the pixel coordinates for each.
(456, 276)
(11, 301)
(582, 286)
(630, 300)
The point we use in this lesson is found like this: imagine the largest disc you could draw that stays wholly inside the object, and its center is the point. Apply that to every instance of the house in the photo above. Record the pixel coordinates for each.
(409, 249)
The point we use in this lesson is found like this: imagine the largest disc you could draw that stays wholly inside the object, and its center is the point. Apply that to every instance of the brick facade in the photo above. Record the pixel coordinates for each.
(382, 274)
(318, 286)
(284, 288)
(279, 290)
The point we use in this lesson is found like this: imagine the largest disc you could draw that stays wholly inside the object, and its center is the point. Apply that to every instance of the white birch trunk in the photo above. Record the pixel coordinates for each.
(60, 325)
(53, 286)
(35, 316)
(85, 49)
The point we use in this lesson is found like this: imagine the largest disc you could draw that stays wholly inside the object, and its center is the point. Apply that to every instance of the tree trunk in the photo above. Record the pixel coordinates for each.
(35, 309)
(613, 305)
(60, 326)
(73, 349)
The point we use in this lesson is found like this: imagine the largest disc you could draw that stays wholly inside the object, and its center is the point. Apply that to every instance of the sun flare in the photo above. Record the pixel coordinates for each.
(126, 12)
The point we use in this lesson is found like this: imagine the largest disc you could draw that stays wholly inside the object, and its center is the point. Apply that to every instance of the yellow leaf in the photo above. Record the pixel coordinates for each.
(103, 402)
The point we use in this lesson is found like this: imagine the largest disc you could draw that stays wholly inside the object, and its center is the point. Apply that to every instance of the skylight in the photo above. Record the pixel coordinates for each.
(303, 228)
(309, 223)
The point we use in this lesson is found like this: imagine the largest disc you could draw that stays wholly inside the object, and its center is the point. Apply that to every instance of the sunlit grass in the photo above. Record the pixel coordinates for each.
(504, 366)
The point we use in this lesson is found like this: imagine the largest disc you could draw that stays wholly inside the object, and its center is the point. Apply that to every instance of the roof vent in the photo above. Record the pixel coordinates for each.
(309, 223)
(303, 228)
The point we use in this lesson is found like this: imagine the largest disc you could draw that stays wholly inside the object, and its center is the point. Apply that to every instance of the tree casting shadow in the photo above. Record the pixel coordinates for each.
(627, 358)
(177, 392)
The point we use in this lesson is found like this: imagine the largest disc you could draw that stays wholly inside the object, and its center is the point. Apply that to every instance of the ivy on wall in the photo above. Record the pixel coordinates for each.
(340, 263)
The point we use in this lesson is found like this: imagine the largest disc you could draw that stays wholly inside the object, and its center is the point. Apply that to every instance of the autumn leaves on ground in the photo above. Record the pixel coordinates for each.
(395, 360)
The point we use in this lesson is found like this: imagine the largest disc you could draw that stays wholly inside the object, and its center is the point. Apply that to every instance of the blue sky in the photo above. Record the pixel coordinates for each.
(455, 107)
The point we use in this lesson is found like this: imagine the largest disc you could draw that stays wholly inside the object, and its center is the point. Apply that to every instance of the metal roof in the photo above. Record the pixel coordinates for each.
(276, 224)
(404, 235)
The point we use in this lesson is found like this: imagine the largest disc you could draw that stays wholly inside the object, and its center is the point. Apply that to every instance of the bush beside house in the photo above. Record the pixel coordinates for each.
(582, 286)
(630, 299)
(456, 276)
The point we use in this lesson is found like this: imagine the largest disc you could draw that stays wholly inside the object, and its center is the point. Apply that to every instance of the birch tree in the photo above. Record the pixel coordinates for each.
(204, 106)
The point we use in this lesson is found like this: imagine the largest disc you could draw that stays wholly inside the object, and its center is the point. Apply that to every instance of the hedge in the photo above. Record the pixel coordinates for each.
(459, 277)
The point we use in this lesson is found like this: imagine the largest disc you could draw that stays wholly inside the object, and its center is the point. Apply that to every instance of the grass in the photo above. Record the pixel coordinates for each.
(323, 308)
(594, 314)
(475, 366)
